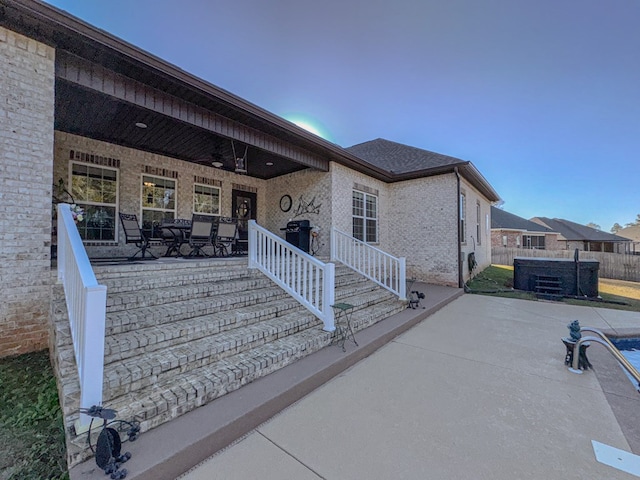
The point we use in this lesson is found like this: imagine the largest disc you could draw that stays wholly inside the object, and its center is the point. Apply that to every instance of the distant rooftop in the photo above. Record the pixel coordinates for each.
(632, 233)
(509, 221)
(574, 231)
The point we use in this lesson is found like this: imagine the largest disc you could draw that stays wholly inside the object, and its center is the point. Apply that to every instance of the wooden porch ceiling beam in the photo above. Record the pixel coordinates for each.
(100, 79)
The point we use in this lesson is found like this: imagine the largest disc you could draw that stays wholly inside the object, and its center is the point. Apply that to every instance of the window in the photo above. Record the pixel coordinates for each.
(158, 203)
(463, 223)
(478, 218)
(534, 242)
(95, 189)
(504, 240)
(206, 199)
(365, 217)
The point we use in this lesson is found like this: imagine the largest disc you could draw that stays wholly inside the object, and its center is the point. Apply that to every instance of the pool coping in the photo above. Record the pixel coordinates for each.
(623, 398)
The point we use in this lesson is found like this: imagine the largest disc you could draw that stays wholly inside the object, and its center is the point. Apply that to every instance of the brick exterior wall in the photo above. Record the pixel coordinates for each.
(310, 192)
(26, 147)
(478, 236)
(418, 220)
(552, 242)
(514, 239)
(343, 182)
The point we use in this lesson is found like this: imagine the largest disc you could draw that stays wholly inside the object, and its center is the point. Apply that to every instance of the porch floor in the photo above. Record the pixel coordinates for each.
(173, 448)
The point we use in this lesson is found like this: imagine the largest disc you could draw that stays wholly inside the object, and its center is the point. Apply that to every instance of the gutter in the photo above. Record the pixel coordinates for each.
(459, 243)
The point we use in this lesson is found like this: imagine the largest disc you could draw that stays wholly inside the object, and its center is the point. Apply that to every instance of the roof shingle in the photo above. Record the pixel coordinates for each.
(398, 158)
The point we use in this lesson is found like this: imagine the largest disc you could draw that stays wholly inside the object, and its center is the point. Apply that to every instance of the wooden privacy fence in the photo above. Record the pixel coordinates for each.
(618, 266)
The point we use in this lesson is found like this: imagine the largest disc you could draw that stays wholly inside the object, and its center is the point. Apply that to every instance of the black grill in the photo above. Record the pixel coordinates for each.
(297, 234)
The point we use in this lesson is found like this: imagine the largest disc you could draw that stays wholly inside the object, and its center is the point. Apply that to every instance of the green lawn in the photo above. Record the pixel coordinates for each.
(31, 430)
(498, 280)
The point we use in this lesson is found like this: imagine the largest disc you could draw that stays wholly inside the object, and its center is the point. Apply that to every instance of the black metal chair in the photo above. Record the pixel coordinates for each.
(226, 236)
(133, 234)
(203, 229)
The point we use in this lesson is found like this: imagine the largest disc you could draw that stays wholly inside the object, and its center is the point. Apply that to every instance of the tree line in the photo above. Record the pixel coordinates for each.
(617, 227)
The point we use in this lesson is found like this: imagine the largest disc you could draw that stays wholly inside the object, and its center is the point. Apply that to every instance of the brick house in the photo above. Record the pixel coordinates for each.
(575, 236)
(632, 233)
(87, 108)
(511, 231)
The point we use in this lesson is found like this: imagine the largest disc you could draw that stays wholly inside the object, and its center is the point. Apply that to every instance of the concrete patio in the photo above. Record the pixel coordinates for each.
(477, 389)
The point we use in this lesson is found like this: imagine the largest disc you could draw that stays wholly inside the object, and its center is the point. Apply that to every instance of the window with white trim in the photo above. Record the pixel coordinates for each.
(365, 217)
(534, 242)
(95, 189)
(206, 199)
(158, 203)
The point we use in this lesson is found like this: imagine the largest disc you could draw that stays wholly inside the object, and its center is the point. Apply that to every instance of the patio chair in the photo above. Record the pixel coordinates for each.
(203, 228)
(133, 234)
(226, 236)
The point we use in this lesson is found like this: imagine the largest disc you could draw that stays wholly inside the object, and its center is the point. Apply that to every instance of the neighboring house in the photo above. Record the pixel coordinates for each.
(512, 231)
(633, 234)
(127, 132)
(575, 236)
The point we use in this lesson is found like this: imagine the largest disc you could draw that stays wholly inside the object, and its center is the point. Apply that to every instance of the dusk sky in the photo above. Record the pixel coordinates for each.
(543, 97)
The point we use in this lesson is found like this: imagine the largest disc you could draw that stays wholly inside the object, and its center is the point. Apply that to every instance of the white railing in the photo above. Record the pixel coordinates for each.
(86, 305)
(378, 266)
(304, 277)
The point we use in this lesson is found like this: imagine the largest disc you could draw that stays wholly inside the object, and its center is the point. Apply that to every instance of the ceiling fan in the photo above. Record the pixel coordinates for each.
(236, 163)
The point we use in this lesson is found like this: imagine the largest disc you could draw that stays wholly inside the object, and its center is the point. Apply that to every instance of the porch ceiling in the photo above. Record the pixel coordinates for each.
(95, 115)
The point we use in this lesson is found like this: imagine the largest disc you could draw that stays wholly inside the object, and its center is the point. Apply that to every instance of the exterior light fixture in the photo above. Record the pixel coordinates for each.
(141, 125)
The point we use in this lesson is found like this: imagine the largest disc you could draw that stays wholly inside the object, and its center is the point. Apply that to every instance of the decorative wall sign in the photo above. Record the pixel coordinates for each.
(305, 207)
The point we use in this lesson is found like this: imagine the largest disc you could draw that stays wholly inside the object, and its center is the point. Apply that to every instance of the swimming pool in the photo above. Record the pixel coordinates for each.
(630, 349)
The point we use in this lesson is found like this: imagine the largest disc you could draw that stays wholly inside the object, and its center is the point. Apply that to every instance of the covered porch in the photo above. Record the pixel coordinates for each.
(169, 151)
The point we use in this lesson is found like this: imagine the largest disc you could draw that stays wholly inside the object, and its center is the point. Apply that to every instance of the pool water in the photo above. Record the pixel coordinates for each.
(630, 349)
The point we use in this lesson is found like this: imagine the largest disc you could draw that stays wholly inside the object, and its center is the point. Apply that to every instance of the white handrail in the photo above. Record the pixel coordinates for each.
(86, 305)
(378, 266)
(304, 277)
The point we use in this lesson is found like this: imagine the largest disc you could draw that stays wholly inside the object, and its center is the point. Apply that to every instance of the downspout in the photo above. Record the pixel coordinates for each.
(458, 253)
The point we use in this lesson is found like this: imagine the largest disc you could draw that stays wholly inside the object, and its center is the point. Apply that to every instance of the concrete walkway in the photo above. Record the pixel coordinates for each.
(478, 390)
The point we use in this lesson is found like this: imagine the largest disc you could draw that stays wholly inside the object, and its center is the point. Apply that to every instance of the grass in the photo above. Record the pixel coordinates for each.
(497, 280)
(32, 438)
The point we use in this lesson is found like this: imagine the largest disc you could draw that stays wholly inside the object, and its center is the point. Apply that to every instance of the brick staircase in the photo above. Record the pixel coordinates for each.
(181, 334)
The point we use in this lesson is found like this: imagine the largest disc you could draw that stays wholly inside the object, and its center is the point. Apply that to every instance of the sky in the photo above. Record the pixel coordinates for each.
(543, 96)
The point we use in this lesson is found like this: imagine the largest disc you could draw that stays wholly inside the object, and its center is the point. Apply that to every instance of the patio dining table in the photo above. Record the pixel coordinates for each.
(175, 234)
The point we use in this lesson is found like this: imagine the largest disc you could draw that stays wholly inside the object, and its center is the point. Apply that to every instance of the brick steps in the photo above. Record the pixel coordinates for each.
(175, 325)
(170, 396)
(171, 347)
(233, 297)
(178, 350)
